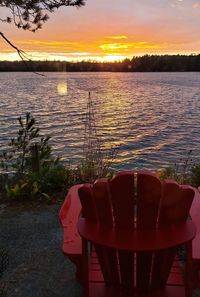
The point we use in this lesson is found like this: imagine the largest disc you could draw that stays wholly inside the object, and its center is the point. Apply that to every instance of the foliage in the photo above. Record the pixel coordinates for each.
(169, 173)
(95, 166)
(52, 178)
(23, 178)
(183, 172)
(195, 175)
(31, 14)
(17, 158)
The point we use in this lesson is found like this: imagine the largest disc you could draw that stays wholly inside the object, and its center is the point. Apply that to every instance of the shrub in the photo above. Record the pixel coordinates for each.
(51, 179)
(31, 170)
(184, 172)
(195, 175)
(168, 173)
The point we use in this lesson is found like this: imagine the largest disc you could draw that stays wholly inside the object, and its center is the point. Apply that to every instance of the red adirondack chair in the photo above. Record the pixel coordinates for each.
(135, 224)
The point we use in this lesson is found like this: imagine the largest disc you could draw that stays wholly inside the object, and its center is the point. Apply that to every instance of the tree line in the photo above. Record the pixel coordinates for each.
(146, 63)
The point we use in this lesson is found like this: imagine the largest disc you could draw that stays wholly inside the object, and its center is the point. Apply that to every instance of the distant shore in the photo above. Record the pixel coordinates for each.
(147, 63)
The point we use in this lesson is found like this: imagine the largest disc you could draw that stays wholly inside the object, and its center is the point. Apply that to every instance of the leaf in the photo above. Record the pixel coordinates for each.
(21, 122)
(35, 187)
(31, 123)
(8, 191)
(15, 190)
(46, 196)
(27, 117)
(46, 139)
(23, 186)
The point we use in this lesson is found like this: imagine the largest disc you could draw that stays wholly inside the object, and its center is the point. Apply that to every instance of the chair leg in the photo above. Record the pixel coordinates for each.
(85, 267)
(196, 269)
(189, 283)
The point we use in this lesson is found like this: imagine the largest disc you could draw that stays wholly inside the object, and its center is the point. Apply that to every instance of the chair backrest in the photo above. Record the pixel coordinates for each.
(135, 200)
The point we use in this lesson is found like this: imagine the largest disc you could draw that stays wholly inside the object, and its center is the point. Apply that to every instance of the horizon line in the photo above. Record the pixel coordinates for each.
(98, 61)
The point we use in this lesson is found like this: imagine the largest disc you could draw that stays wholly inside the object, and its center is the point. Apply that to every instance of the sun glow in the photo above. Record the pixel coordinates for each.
(114, 46)
(107, 49)
(102, 50)
(62, 89)
(70, 57)
(113, 58)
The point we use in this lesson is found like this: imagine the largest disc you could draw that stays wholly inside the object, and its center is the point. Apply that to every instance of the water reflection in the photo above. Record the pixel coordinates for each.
(153, 117)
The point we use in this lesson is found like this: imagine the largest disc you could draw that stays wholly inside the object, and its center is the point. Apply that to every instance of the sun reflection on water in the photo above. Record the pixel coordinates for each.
(62, 88)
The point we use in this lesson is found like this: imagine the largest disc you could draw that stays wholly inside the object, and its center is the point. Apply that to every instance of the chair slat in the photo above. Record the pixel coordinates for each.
(162, 263)
(107, 257)
(103, 202)
(175, 205)
(143, 270)
(149, 189)
(126, 263)
(90, 212)
(163, 259)
(87, 202)
(148, 202)
(122, 196)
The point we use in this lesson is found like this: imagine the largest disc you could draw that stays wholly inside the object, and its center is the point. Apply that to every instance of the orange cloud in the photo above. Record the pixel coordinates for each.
(118, 37)
(48, 46)
(114, 46)
(196, 5)
(130, 45)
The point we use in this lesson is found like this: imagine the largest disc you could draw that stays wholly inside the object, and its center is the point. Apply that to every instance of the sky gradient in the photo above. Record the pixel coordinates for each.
(106, 30)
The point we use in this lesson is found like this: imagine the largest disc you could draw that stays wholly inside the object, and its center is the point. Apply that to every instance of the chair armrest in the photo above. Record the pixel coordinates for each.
(137, 240)
(195, 215)
(69, 214)
(195, 209)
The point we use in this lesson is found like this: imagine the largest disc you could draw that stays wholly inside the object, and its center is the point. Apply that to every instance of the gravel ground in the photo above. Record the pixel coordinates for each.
(37, 267)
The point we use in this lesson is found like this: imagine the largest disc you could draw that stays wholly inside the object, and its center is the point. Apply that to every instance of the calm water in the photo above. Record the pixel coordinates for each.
(154, 117)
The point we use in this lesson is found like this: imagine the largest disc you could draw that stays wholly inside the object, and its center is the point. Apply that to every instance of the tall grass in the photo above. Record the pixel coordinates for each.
(97, 161)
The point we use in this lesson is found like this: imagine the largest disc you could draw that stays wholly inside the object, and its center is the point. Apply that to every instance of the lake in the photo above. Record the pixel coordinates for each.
(152, 117)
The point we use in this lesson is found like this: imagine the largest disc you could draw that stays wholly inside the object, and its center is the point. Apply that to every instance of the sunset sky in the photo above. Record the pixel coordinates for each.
(107, 30)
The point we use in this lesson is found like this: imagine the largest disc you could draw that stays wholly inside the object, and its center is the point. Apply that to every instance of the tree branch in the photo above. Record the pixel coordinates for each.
(30, 15)
(21, 53)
